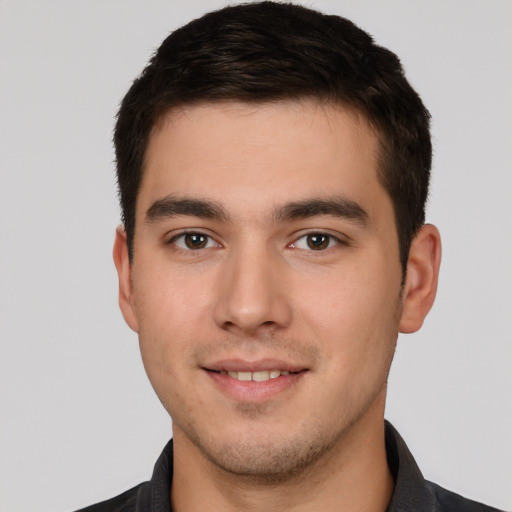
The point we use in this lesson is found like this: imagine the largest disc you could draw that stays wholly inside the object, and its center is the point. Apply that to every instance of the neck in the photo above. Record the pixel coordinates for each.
(353, 475)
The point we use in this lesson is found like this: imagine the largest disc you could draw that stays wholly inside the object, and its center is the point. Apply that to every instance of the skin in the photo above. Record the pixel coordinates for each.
(259, 282)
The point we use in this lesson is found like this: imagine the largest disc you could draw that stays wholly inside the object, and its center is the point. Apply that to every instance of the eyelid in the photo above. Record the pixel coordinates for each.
(171, 239)
(338, 238)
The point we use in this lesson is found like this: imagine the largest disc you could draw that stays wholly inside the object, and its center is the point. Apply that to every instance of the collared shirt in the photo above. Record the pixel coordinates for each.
(412, 492)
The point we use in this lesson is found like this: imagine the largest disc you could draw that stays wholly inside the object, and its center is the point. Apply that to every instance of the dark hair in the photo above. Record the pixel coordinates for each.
(268, 51)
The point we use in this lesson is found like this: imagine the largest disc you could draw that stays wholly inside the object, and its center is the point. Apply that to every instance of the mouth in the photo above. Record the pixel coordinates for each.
(257, 376)
(254, 381)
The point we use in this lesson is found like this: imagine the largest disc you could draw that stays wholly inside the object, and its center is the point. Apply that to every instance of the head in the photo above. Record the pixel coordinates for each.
(268, 52)
(273, 179)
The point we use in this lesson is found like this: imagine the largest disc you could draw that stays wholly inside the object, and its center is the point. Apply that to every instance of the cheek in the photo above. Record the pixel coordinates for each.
(169, 320)
(355, 312)
(352, 297)
(168, 299)
(170, 314)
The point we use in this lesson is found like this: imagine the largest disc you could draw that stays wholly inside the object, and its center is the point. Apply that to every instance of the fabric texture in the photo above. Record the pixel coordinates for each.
(412, 492)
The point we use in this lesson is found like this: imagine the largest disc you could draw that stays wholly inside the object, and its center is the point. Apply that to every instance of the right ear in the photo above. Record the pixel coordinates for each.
(124, 273)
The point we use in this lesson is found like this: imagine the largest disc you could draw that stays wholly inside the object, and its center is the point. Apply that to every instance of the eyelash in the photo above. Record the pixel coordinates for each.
(332, 241)
(183, 236)
(210, 242)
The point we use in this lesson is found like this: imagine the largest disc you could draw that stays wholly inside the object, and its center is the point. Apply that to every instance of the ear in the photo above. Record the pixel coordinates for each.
(421, 280)
(124, 273)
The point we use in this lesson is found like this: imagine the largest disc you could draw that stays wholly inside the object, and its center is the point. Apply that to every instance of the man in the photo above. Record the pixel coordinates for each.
(273, 166)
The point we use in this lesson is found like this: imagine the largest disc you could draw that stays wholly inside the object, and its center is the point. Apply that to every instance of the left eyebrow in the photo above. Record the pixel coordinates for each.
(334, 206)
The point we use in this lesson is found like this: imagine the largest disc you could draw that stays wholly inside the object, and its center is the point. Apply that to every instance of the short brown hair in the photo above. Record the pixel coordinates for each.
(268, 51)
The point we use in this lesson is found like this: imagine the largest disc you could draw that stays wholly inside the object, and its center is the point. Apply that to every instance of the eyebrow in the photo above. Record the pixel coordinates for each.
(172, 206)
(335, 206)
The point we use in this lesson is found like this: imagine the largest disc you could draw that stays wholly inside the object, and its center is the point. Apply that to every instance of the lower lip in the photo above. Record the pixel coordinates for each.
(253, 391)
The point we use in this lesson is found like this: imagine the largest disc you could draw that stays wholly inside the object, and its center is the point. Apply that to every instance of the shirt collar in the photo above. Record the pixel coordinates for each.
(411, 490)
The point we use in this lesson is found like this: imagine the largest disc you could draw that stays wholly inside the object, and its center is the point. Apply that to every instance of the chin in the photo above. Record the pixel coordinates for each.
(269, 457)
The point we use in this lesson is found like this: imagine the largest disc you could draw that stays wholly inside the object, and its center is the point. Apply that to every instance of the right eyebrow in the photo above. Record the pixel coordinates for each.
(172, 206)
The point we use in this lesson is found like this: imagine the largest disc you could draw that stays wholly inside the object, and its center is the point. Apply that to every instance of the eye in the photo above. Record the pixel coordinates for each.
(315, 242)
(193, 241)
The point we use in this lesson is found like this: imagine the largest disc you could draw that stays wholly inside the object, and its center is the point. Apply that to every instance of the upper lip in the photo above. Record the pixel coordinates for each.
(243, 365)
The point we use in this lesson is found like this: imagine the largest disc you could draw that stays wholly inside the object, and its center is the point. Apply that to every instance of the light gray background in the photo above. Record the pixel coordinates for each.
(78, 420)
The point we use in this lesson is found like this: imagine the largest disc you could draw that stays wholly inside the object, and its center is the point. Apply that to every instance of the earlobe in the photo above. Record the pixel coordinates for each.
(421, 281)
(123, 266)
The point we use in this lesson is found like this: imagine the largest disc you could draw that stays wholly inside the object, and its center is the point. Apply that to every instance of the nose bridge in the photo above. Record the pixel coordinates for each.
(252, 291)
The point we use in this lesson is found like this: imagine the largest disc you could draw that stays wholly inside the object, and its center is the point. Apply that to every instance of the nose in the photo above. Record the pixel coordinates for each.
(253, 294)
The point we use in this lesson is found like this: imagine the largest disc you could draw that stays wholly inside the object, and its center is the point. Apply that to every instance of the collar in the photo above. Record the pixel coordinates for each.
(412, 491)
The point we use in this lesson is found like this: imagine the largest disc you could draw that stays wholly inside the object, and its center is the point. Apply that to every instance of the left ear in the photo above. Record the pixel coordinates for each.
(421, 280)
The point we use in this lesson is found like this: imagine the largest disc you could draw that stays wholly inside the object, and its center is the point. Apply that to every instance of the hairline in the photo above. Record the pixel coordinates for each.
(382, 160)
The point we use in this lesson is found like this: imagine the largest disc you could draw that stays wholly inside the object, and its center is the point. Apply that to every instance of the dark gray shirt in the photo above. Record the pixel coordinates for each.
(412, 492)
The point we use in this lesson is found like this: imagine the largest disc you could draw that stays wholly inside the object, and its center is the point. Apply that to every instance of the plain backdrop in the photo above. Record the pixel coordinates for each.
(79, 421)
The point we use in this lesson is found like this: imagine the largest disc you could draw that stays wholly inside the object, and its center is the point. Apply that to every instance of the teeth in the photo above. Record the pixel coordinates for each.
(261, 376)
(256, 376)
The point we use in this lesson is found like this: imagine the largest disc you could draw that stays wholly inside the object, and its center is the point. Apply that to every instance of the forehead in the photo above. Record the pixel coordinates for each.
(272, 151)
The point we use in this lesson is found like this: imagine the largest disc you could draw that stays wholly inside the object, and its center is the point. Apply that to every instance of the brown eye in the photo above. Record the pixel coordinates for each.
(318, 241)
(194, 241)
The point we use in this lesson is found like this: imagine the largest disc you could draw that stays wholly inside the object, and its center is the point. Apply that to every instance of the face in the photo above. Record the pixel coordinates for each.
(266, 281)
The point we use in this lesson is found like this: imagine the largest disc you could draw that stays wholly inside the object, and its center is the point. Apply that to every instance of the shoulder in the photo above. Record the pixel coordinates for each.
(412, 491)
(449, 501)
(146, 497)
(125, 502)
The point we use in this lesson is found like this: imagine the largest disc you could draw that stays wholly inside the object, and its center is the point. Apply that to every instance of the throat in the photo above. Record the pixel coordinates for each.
(339, 479)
